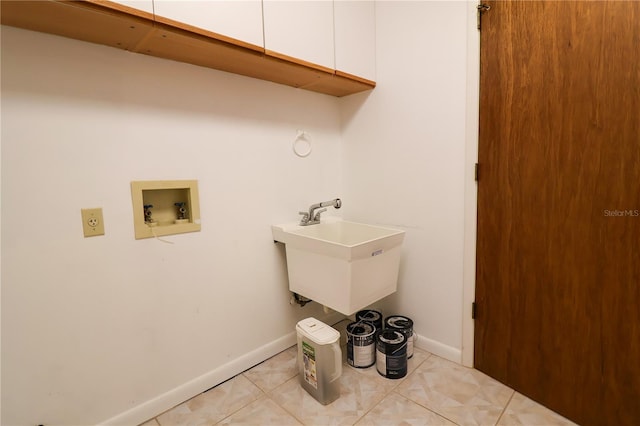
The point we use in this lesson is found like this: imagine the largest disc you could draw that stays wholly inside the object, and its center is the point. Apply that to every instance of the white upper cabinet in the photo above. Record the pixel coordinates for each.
(237, 19)
(302, 29)
(355, 35)
(143, 5)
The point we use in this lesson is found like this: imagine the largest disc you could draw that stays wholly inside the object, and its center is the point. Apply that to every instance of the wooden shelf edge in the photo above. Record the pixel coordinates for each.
(77, 20)
(179, 45)
(120, 8)
(362, 80)
(337, 85)
(209, 34)
(297, 61)
(112, 24)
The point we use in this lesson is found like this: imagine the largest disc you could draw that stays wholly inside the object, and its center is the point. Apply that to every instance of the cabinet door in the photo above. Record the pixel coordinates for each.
(355, 36)
(302, 29)
(238, 19)
(143, 5)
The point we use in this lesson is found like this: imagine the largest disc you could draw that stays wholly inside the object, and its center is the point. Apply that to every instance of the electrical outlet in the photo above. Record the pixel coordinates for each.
(92, 222)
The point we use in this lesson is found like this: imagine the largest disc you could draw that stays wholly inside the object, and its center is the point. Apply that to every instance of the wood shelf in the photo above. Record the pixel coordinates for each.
(114, 25)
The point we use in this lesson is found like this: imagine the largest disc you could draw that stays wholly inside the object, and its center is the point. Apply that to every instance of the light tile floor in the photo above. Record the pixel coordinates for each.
(434, 392)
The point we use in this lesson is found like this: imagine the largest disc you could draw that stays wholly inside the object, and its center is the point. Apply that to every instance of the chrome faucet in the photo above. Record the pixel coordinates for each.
(312, 216)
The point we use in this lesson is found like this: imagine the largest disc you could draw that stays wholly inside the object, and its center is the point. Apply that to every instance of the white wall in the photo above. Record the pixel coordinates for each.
(110, 328)
(404, 160)
(94, 327)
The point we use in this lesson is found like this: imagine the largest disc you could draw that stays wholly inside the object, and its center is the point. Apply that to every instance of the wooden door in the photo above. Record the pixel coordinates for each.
(558, 250)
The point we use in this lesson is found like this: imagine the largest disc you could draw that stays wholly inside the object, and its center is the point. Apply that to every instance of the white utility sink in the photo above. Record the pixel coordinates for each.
(343, 265)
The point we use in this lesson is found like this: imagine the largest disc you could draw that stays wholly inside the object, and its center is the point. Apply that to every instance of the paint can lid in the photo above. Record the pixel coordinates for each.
(369, 315)
(360, 328)
(392, 337)
(399, 322)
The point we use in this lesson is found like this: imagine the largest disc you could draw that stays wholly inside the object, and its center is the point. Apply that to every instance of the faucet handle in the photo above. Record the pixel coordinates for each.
(305, 217)
(316, 217)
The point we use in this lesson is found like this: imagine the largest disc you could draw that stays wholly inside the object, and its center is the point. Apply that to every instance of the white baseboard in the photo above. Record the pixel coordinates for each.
(188, 390)
(444, 351)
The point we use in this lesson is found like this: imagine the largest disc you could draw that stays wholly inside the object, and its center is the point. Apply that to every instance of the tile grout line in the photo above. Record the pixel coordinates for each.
(505, 407)
(391, 390)
(267, 393)
(279, 405)
(377, 403)
(426, 408)
(245, 405)
(419, 404)
(357, 371)
(270, 392)
(433, 410)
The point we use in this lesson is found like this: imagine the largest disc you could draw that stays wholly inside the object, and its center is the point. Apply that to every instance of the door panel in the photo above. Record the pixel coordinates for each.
(558, 246)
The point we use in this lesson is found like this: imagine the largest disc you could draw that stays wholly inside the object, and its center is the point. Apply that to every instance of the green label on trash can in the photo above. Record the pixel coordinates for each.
(309, 361)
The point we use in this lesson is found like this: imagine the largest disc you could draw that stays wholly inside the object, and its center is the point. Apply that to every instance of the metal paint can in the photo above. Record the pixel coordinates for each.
(405, 326)
(361, 344)
(370, 316)
(391, 354)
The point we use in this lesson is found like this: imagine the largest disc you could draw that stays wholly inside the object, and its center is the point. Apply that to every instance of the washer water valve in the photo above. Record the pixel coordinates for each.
(147, 215)
(182, 213)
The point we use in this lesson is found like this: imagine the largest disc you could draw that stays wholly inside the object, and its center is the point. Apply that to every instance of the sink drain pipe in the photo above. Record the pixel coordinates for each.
(300, 300)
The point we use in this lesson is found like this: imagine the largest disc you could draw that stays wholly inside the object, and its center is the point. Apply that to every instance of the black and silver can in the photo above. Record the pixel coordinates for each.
(361, 344)
(370, 316)
(391, 354)
(403, 325)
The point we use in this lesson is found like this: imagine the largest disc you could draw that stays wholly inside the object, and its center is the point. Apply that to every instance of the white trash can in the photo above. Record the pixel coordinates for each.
(319, 359)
